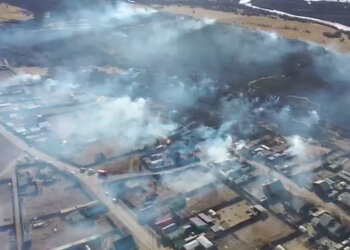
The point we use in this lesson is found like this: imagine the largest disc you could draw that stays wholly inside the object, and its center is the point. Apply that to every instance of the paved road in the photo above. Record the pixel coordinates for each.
(144, 238)
(302, 192)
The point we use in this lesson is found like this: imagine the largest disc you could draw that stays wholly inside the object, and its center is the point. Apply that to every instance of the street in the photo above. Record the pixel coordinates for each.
(145, 239)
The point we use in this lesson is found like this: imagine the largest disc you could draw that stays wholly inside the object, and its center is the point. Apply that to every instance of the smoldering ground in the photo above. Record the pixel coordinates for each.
(200, 68)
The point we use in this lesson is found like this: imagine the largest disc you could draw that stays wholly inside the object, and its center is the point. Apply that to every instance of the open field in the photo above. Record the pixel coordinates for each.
(304, 31)
(57, 232)
(264, 231)
(54, 197)
(297, 243)
(8, 155)
(9, 13)
(230, 241)
(8, 239)
(206, 199)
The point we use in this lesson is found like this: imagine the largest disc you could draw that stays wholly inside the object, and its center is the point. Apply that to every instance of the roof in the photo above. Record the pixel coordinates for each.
(297, 204)
(206, 218)
(23, 180)
(325, 220)
(216, 228)
(331, 225)
(191, 245)
(126, 243)
(323, 185)
(275, 187)
(260, 208)
(169, 228)
(345, 199)
(74, 217)
(204, 242)
(176, 234)
(94, 210)
(197, 222)
(344, 175)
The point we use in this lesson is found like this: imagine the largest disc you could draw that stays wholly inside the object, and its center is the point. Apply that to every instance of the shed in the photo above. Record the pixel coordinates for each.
(198, 223)
(191, 245)
(204, 242)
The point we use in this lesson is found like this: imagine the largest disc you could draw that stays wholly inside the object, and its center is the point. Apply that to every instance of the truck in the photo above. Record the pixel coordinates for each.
(102, 173)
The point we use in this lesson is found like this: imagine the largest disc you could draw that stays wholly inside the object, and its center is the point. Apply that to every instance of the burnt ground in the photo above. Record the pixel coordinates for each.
(329, 11)
(40, 7)
(213, 62)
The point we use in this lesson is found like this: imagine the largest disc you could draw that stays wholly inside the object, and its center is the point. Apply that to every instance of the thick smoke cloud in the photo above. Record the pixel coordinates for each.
(199, 69)
(131, 122)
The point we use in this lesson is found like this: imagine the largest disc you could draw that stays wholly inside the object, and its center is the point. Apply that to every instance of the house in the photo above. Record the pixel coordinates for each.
(344, 199)
(164, 222)
(274, 189)
(322, 187)
(344, 176)
(198, 223)
(205, 218)
(298, 206)
(205, 243)
(125, 243)
(95, 210)
(216, 228)
(169, 228)
(192, 245)
(259, 210)
(74, 217)
(330, 226)
(334, 167)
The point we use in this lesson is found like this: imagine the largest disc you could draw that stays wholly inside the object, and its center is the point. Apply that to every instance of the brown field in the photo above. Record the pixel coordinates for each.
(297, 243)
(9, 13)
(60, 195)
(8, 239)
(207, 199)
(231, 241)
(47, 238)
(31, 70)
(263, 232)
(129, 165)
(305, 31)
(9, 154)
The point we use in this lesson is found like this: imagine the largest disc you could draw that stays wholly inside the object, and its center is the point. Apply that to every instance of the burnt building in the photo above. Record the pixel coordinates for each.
(298, 206)
(330, 226)
(344, 199)
(275, 189)
(322, 187)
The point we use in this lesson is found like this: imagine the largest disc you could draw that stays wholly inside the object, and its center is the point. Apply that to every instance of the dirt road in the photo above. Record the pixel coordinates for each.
(143, 237)
(303, 193)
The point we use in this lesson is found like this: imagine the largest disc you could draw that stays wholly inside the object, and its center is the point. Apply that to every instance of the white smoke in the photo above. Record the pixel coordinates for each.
(194, 24)
(131, 122)
(298, 148)
(126, 11)
(24, 78)
(217, 149)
